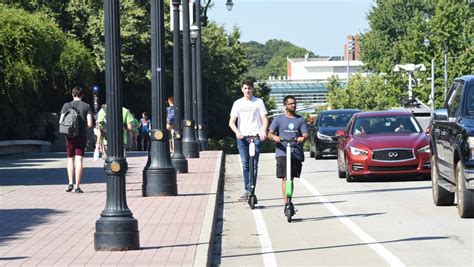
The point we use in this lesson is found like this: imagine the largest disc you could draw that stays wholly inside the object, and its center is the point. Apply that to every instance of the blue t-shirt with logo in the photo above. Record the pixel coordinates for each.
(289, 128)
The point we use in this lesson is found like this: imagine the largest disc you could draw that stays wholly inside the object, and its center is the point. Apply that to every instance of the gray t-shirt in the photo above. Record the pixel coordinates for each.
(289, 128)
(83, 108)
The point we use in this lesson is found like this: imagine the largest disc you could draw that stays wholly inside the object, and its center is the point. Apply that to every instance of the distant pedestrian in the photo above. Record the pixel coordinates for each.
(135, 130)
(145, 127)
(170, 120)
(248, 117)
(102, 122)
(75, 146)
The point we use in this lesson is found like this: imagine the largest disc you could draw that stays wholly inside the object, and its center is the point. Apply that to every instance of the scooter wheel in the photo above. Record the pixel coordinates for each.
(288, 215)
(252, 201)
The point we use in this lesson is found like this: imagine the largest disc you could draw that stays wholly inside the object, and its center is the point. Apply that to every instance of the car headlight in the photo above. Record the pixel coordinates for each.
(358, 152)
(323, 136)
(425, 149)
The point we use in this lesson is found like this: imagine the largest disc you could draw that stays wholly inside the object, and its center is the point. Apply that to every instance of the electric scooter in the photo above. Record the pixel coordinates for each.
(252, 199)
(289, 208)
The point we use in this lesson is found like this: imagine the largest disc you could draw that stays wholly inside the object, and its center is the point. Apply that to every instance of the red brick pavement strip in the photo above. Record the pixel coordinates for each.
(49, 227)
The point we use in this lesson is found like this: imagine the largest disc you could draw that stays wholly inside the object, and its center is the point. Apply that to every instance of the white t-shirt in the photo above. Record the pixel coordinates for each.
(249, 115)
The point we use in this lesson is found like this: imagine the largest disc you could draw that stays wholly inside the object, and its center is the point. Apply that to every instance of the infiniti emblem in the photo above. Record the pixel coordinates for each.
(392, 154)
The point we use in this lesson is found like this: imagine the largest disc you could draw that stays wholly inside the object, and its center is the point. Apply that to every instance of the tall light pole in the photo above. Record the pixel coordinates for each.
(194, 33)
(201, 126)
(190, 144)
(159, 175)
(432, 94)
(445, 51)
(116, 229)
(178, 160)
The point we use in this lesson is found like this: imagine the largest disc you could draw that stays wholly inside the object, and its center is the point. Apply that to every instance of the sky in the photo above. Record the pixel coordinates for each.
(317, 25)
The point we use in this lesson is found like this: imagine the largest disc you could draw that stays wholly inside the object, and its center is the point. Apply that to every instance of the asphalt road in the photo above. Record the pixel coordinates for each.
(378, 222)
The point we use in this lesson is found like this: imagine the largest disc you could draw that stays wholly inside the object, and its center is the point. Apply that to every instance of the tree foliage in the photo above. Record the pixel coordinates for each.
(270, 59)
(36, 67)
(364, 93)
(397, 32)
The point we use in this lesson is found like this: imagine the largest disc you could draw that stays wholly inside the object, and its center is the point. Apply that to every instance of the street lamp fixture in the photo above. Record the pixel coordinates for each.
(194, 32)
(410, 69)
(229, 5)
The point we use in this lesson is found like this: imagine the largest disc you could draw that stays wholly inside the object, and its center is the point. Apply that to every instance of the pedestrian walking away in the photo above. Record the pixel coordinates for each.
(134, 133)
(145, 127)
(170, 120)
(76, 144)
(248, 117)
(127, 120)
(288, 126)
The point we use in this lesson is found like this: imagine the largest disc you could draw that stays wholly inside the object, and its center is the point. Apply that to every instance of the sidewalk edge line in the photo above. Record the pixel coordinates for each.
(205, 246)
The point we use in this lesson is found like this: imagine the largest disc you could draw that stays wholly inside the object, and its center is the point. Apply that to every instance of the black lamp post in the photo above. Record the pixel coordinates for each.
(194, 32)
(178, 160)
(116, 229)
(159, 176)
(190, 144)
(201, 127)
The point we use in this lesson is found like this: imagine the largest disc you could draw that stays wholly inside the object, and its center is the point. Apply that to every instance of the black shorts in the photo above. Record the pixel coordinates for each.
(281, 167)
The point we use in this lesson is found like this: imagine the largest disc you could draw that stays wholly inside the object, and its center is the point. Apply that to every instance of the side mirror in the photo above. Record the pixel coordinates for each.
(440, 114)
(340, 132)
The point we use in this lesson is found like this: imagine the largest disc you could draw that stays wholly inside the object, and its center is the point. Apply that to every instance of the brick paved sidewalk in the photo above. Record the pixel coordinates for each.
(41, 224)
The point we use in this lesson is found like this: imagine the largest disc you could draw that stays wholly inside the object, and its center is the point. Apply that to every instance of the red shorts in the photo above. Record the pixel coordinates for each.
(75, 146)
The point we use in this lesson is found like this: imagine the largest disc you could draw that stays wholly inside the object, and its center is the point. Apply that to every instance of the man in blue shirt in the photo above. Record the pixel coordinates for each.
(288, 126)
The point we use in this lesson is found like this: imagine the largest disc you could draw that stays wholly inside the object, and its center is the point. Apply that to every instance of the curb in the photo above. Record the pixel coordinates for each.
(205, 246)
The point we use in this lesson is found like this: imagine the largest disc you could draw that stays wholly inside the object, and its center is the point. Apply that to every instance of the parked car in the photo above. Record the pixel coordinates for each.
(452, 148)
(322, 134)
(382, 143)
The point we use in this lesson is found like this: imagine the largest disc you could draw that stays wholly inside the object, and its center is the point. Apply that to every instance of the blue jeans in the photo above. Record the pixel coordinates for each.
(243, 146)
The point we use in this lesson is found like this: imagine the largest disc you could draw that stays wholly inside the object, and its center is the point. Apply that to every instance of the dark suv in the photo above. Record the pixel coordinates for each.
(452, 148)
(322, 135)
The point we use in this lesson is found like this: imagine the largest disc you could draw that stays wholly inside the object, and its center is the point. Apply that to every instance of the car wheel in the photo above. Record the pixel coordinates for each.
(465, 196)
(441, 196)
(349, 177)
(318, 155)
(341, 173)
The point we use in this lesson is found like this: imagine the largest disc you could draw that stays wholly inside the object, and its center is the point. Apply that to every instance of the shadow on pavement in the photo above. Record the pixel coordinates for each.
(379, 191)
(421, 238)
(297, 204)
(296, 220)
(13, 226)
(47, 176)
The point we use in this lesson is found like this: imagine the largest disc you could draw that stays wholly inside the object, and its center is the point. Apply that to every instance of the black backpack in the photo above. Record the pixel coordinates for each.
(70, 124)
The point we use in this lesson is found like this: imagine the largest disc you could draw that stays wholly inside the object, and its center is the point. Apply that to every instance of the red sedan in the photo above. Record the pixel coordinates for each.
(382, 143)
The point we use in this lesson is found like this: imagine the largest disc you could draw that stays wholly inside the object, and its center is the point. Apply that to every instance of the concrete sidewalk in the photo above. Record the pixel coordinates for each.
(41, 224)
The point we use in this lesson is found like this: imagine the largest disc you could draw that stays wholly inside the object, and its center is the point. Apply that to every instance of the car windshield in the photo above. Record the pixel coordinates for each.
(385, 124)
(334, 120)
(470, 101)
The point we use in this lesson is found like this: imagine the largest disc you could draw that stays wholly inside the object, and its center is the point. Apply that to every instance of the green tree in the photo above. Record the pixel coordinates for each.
(397, 31)
(34, 53)
(364, 93)
(270, 59)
